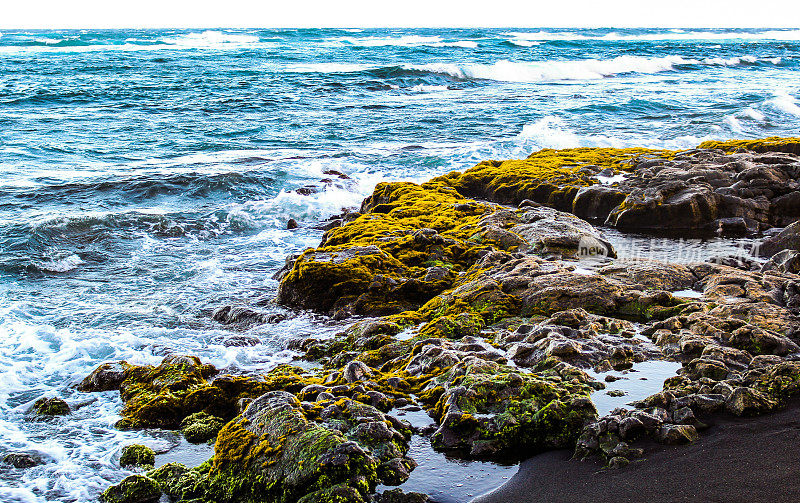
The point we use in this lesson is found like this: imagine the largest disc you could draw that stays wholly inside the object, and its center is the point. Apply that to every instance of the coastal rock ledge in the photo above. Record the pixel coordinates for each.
(491, 301)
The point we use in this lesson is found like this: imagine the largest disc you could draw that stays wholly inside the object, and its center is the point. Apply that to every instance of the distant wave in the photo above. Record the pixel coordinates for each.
(534, 71)
(404, 41)
(209, 39)
(587, 69)
(668, 35)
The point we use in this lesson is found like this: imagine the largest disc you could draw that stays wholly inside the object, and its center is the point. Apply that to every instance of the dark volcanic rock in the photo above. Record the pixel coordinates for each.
(787, 239)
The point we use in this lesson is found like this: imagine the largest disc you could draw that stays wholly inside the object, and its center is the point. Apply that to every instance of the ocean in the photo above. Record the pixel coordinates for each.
(148, 177)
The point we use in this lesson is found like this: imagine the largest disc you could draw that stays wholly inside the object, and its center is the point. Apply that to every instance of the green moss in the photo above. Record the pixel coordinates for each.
(137, 455)
(772, 144)
(165, 395)
(200, 427)
(550, 177)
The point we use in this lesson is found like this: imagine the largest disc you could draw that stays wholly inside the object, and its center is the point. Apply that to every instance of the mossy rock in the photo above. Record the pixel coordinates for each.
(771, 144)
(273, 453)
(489, 410)
(133, 489)
(163, 396)
(137, 455)
(201, 427)
(51, 407)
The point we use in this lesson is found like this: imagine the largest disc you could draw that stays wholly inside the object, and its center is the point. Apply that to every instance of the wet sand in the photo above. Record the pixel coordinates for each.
(736, 460)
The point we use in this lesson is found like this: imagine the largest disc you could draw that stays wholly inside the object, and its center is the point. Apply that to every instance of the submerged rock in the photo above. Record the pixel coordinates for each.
(23, 459)
(51, 407)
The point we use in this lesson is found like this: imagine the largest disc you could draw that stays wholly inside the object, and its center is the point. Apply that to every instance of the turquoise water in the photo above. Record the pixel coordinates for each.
(147, 176)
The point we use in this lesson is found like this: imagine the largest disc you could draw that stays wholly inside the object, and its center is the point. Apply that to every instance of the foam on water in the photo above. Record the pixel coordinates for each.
(588, 69)
(728, 36)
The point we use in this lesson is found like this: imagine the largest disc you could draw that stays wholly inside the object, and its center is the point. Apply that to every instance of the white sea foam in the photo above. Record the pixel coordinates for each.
(524, 43)
(587, 69)
(210, 39)
(554, 132)
(733, 124)
(785, 103)
(422, 88)
(402, 41)
(754, 114)
(788, 35)
(64, 264)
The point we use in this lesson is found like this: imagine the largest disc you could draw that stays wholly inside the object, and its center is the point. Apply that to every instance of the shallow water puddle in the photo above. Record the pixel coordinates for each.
(643, 380)
(688, 294)
(444, 479)
(450, 480)
(186, 453)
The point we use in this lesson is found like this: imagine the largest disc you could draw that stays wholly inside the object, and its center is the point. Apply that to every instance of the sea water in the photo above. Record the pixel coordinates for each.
(147, 177)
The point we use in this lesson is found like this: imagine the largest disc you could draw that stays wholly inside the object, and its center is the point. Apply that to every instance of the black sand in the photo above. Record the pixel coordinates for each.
(737, 460)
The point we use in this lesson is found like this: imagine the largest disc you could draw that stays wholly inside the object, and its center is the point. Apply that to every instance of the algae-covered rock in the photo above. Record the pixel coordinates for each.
(274, 451)
(51, 407)
(137, 455)
(200, 427)
(179, 482)
(488, 410)
(709, 189)
(412, 242)
(133, 489)
(163, 396)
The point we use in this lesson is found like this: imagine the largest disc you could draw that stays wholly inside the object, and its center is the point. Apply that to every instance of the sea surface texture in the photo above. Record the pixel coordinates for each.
(148, 176)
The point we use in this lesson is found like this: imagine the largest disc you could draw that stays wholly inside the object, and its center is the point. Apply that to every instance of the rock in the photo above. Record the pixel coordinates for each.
(490, 412)
(133, 489)
(51, 407)
(163, 396)
(677, 434)
(179, 482)
(137, 455)
(398, 496)
(684, 415)
(745, 401)
(283, 456)
(783, 261)
(244, 316)
(618, 462)
(106, 377)
(630, 427)
(23, 459)
(356, 371)
(615, 393)
(698, 190)
(200, 427)
(291, 224)
(340, 493)
(708, 404)
(788, 239)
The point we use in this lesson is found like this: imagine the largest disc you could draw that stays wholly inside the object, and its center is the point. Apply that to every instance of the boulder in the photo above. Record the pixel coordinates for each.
(137, 455)
(133, 489)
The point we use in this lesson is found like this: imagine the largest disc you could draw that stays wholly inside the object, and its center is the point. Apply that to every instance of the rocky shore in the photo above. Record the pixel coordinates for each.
(491, 300)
